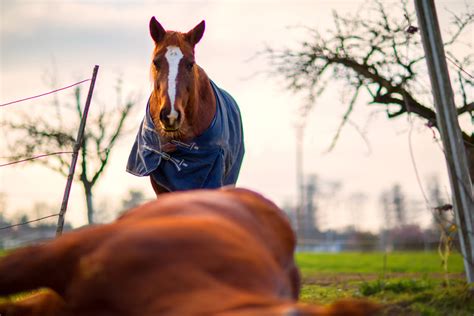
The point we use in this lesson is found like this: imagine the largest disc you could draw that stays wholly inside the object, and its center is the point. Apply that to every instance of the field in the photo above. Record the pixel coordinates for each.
(405, 283)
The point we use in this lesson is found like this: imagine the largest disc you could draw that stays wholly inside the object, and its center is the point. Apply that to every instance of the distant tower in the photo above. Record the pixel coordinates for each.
(310, 209)
(299, 210)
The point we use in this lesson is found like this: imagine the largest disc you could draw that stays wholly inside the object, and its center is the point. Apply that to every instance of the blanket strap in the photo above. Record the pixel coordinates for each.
(188, 146)
(177, 163)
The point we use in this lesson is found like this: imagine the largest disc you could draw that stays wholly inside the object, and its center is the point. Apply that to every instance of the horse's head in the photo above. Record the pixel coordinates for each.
(174, 77)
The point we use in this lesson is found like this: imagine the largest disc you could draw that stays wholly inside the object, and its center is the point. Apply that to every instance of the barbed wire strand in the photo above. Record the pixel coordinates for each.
(28, 222)
(459, 67)
(46, 93)
(32, 158)
(432, 209)
(417, 175)
(38, 156)
(458, 178)
(35, 157)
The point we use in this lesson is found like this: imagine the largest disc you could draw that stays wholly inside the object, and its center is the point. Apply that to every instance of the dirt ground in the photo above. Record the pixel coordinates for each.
(330, 279)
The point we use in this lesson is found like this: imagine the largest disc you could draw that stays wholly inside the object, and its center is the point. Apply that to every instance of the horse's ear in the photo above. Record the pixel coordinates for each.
(156, 30)
(195, 35)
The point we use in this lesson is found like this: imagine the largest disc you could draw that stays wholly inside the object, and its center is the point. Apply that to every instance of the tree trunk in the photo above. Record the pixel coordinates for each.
(90, 205)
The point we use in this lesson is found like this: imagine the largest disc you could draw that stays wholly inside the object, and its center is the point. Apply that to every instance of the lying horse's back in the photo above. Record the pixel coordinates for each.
(191, 252)
(206, 252)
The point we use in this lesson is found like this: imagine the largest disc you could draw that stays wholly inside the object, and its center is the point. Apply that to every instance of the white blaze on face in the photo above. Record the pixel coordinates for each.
(173, 56)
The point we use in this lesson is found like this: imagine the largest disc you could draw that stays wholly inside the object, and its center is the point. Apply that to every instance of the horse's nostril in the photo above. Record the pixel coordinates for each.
(163, 116)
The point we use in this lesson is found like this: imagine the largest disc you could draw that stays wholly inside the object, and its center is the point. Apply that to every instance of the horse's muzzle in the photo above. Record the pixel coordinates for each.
(170, 122)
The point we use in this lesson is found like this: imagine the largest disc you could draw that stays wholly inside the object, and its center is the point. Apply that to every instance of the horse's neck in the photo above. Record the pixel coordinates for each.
(202, 103)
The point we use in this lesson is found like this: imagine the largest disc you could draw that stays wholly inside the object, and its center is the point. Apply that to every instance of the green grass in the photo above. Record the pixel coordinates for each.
(356, 262)
(421, 297)
(394, 286)
(413, 283)
(400, 297)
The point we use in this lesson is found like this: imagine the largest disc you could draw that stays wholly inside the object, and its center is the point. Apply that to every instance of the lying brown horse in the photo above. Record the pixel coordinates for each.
(203, 252)
(191, 136)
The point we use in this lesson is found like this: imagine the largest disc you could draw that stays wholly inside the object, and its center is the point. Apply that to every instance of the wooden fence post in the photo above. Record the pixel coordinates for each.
(77, 147)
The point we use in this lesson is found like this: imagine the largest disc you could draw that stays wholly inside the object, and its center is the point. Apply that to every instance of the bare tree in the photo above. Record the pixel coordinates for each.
(55, 130)
(355, 205)
(3, 208)
(393, 202)
(399, 204)
(385, 236)
(377, 54)
(134, 198)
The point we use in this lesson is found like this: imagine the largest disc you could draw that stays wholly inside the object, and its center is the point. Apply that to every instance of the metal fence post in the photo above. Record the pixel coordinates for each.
(449, 129)
(77, 147)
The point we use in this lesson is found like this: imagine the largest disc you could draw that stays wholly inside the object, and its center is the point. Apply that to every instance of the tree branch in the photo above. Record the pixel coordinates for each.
(345, 118)
(118, 129)
(466, 108)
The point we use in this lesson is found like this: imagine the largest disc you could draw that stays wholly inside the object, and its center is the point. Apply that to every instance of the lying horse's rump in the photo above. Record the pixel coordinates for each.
(197, 252)
(226, 252)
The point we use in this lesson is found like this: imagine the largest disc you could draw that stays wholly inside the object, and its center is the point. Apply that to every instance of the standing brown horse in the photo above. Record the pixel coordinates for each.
(191, 136)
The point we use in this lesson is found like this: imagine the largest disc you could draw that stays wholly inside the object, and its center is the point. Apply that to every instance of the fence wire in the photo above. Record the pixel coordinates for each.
(40, 155)
(28, 222)
(35, 157)
(46, 93)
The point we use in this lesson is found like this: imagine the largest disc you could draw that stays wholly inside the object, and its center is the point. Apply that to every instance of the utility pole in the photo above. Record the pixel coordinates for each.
(446, 116)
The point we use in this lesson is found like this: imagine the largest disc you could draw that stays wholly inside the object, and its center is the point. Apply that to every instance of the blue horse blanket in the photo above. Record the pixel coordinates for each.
(210, 160)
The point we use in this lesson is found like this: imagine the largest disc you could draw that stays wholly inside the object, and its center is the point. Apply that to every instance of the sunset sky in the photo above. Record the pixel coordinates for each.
(70, 37)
